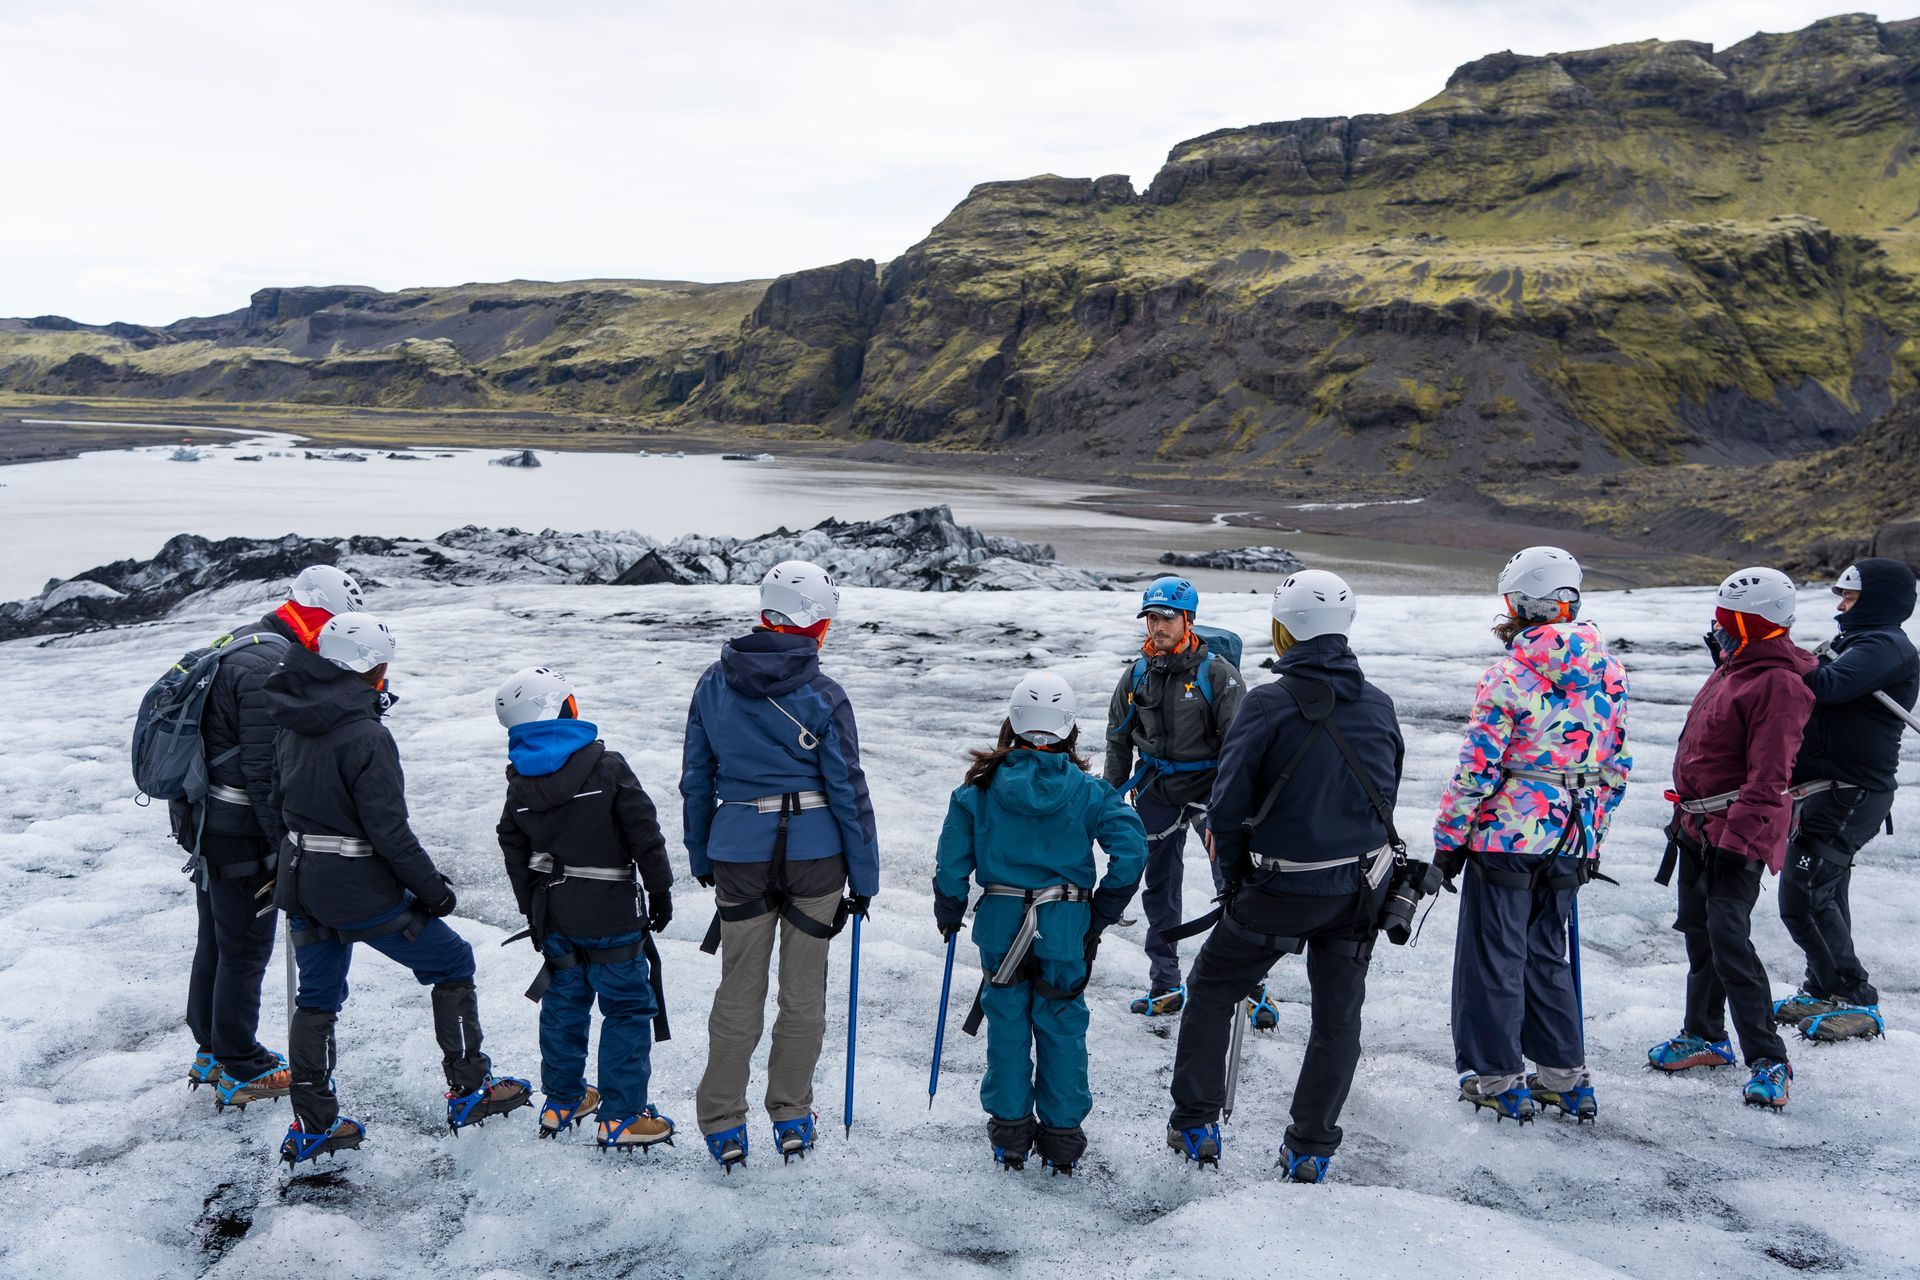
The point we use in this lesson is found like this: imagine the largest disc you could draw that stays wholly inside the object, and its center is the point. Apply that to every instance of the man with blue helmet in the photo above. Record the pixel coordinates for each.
(1165, 724)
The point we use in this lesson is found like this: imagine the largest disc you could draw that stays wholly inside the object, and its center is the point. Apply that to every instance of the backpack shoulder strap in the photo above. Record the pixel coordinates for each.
(1315, 702)
(1379, 802)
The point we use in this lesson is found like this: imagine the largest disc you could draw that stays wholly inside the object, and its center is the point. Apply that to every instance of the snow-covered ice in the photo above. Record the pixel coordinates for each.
(112, 1168)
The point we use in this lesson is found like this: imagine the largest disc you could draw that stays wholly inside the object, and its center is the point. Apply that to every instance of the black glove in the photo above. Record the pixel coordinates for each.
(1109, 905)
(445, 906)
(705, 882)
(1450, 862)
(659, 910)
(857, 904)
(949, 914)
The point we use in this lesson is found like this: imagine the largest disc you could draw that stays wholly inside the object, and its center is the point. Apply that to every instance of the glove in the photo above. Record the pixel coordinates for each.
(949, 914)
(705, 882)
(1450, 862)
(659, 910)
(1109, 905)
(857, 904)
(445, 906)
(1233, 853)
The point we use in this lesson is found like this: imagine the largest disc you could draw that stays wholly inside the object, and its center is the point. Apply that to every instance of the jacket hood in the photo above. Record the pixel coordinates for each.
(540, 747)
(1886, 596)
(1569, 656)
(310, 695)
(1774, 651)
(1035, 783)
(1327, 659)
(767, 664)
(561, 783)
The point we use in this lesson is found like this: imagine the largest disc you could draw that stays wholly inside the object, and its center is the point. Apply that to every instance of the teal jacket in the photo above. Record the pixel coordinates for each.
(1035, 826)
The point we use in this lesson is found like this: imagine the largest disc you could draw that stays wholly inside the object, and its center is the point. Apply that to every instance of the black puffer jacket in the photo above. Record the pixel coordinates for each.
(1324, 812)
(590, 812)
(236, 716)
(339, 775)
(1851, 737)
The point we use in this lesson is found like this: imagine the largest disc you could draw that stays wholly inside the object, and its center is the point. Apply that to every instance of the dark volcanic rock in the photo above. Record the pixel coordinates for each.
(916, 550)
(1243, 559)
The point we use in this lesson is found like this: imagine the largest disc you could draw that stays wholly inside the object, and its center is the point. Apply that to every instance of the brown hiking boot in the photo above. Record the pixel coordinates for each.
(345, 1135)
(275, 1083)
(499, 1095)
(556, 1116)
(636, 1133)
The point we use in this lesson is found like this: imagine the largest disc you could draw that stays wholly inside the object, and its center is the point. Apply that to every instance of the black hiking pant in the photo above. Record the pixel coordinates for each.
(1717, 893)
(1231, 963)
(1834, 826)
(230, 959)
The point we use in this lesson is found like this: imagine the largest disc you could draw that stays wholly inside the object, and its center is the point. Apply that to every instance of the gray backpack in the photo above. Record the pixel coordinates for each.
(169, 756)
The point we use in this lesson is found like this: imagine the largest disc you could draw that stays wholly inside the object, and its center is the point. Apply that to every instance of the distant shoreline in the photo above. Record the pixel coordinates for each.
(36, 430)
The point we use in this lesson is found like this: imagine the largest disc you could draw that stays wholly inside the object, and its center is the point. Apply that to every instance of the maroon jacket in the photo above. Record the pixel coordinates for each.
(1742, 734)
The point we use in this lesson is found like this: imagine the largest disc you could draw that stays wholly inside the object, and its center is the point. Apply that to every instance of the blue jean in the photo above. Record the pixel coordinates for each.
(627, 1010)
(1160, 887)
(435, 953)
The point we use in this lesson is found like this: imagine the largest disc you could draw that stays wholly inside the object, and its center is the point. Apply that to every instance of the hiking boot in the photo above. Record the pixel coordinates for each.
(1514, 1103)
(555, 1115)
(1770, 1084)
(1262, 1013)
(1199, 1143)
(345, 1134)
(728, 1147)
(1684, 1052)
(636, 1133)
(204, 1070)
(1848, 1022)
(1803, 1004)
(497, 1096)
(1577, 1101)
(1160, 1002)
(275, 1082)
(1305, 1168)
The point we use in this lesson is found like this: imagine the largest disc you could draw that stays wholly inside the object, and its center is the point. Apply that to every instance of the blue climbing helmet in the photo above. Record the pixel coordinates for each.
(1169, 595)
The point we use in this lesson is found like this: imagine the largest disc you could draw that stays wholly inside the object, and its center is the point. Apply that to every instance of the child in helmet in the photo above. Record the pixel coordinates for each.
(1730, 823)
(580, 841)
(1023, 825)
(1542, 769)
(353, 871)
(778, 824)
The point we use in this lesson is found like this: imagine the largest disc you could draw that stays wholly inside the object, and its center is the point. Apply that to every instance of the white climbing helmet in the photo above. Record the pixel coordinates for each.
(321, 586)
(533, 693)
(796, 593)
(356, 641)
(1314, 602)
(1538, 572)
(1759, 590)
(1848, 581)
(1042, 708)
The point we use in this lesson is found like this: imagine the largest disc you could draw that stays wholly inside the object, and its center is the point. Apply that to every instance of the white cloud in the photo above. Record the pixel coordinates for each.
(163, 160)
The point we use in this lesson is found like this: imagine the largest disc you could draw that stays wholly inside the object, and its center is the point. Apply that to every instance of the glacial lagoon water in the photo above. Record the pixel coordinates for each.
(59, 518)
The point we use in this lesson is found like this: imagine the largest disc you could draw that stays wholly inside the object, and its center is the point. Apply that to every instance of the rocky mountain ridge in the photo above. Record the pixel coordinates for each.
(1584, 264)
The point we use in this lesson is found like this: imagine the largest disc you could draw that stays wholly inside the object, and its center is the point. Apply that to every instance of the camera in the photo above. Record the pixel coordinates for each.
(1413, 881)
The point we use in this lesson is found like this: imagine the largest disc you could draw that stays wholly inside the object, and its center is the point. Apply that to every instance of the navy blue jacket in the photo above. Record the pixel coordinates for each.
(1324, 812)
(764, 722)
(338, 774)
(1851, 737)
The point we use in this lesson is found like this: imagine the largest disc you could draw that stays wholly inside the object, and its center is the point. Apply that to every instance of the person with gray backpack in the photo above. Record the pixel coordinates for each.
(203, 743)
(1171, 709)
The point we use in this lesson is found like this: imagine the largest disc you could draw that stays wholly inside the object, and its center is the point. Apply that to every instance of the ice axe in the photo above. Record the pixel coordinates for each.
(853, 1024)
(1912, 721)
(940, 1027)
(1242, 1011)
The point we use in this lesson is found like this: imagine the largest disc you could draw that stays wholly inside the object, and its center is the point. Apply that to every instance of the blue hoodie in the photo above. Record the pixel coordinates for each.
(1035, 826)
(540, 747)
(764, 722)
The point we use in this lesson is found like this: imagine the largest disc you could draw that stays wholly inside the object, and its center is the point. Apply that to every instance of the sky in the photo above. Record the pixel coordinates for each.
(162, 161)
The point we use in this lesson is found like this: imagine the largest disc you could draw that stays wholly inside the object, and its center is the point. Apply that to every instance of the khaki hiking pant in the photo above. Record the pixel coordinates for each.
(739, 1013)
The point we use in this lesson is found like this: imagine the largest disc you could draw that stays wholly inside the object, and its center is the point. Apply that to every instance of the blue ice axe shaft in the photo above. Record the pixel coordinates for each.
(853, 1024)
(940, 1027)
(1573, 954)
